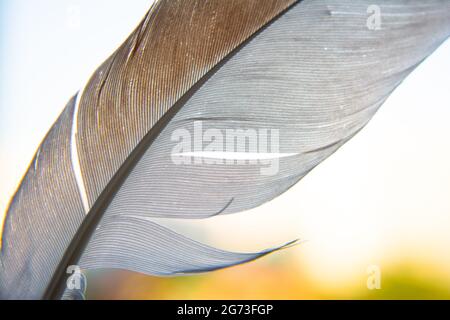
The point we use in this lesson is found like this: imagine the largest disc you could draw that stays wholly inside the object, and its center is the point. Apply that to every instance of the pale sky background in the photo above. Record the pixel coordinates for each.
(384, 195)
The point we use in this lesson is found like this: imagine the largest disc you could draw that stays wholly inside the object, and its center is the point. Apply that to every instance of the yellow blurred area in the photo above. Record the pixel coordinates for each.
(276, 277)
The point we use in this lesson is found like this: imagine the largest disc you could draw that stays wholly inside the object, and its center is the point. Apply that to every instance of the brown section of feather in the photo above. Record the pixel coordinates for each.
(176, 44)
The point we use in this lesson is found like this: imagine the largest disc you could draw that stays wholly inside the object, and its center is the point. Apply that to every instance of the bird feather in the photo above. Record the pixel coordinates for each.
(311, 73)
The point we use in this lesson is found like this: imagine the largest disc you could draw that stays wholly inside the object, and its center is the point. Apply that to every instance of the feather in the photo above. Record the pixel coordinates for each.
(304, 76)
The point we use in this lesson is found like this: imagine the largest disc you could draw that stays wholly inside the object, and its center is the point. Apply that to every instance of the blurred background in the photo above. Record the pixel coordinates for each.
(375, 216)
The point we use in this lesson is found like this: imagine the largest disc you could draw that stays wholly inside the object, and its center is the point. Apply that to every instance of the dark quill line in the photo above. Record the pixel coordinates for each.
(74, 251)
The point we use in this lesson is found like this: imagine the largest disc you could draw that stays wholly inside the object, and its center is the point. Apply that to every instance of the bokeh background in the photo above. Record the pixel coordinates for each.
(382, 200)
